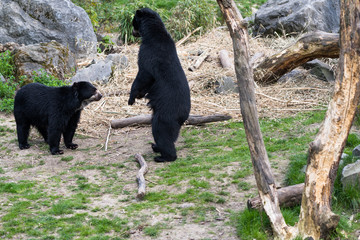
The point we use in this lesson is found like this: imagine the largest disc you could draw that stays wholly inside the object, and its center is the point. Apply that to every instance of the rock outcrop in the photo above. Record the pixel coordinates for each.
(52, 57)
(297, 16)
(35, 21)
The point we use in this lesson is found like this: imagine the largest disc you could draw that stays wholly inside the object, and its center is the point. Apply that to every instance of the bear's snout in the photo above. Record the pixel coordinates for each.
(97, 96)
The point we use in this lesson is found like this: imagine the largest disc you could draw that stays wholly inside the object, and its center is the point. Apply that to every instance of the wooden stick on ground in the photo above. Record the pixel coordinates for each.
(200, 60)
(181, 41)
(288, 196)
(140, 175)
(146, 119)
(107, 138)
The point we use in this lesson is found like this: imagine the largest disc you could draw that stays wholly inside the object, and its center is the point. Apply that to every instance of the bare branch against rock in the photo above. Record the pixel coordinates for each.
(310, 46)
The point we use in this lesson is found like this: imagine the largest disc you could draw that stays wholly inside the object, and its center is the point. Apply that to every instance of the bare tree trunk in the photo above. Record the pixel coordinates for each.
(316, 217)
(264, 177)
(311, 46)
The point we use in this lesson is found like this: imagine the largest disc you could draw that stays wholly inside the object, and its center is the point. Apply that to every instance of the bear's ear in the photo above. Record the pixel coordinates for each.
(75, 85)
(139, 13)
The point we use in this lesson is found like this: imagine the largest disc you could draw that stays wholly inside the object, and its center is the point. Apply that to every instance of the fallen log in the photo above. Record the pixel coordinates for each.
(225, 60)
(288, 196)
(200, 60)
(146, 119)
(140, 176)
(311, 46)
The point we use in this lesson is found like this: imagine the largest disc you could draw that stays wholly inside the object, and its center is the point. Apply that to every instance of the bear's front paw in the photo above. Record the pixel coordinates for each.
(131, 101)
(72, 146)
(140, 95)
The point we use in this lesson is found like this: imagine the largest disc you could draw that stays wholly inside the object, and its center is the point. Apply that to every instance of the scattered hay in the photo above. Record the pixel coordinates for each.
(275, 101)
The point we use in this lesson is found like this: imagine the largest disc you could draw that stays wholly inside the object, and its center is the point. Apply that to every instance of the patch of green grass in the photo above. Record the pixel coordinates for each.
(7, 88)
(245, 6)
(199, 183)
(244, 186)
(24, 166)
(251, 224)
(180, 17)
(352, 141)
(67, 206)
(154, 231)
(47, 79)
(11, 187)
(296, 171)
(67, 158)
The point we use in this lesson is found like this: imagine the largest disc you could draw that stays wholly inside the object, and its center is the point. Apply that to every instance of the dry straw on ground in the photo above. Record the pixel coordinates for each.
(304, 93)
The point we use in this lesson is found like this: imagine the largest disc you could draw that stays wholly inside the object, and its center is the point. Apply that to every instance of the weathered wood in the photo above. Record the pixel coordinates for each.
(184, 39)
(225, 59)
(140, 176)
(311, 46)
(200, 60)
(316, 218)
(262, 170)
(288, 196)
(146, 119)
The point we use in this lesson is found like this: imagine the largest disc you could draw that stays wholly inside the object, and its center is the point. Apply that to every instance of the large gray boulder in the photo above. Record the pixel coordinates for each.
(53, 57)
(297, 16)
(351, 175)
(35, 21)
(102, 70)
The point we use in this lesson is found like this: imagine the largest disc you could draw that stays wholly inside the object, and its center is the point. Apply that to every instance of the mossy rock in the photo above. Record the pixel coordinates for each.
(53, 57)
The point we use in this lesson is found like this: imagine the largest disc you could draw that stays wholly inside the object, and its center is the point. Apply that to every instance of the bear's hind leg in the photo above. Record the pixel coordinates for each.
(23, 130)
(165, 135)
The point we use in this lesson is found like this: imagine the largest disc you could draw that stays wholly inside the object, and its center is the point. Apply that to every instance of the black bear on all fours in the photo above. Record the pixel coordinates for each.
(53, 111)
(162, 80)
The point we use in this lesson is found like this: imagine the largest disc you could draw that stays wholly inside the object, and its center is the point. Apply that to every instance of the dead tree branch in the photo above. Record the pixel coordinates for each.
(140, 176)
(310, 46)
(146, 119)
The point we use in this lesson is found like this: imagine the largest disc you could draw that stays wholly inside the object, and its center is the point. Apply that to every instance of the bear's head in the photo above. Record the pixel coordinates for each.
(143, 20)
(86, 93)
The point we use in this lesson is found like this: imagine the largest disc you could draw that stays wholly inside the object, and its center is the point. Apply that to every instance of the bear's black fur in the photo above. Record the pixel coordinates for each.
(53, 111)
(162, 80)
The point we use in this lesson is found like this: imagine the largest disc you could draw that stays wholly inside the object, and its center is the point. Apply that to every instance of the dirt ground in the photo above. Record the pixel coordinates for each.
(282, 99)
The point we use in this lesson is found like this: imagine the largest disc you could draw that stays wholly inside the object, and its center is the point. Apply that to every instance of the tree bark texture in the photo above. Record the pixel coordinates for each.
(316, 218)
(288, 196)
(146, 119)
(311, 46)
(264, 177)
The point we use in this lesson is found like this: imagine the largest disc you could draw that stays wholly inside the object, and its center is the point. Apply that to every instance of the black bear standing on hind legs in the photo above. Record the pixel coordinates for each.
(53, 111)
(162, 80)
